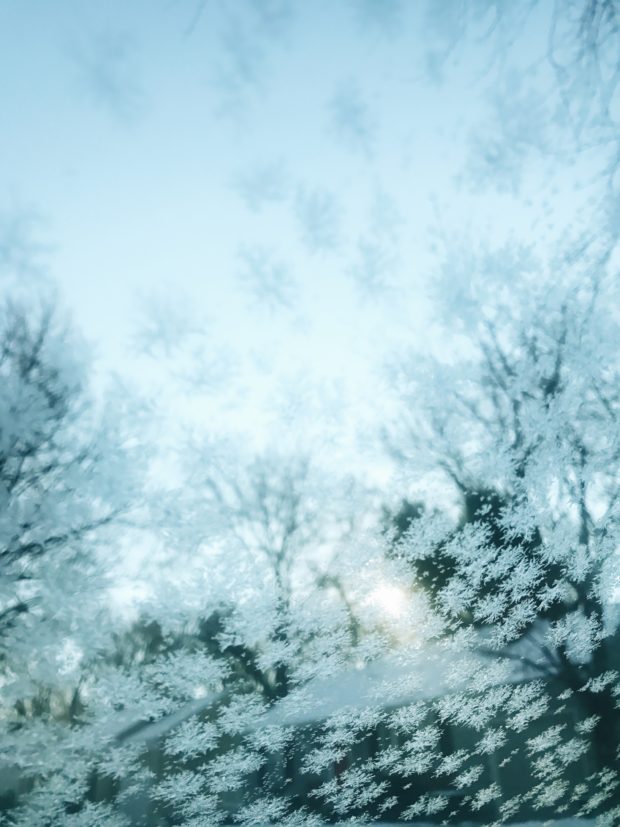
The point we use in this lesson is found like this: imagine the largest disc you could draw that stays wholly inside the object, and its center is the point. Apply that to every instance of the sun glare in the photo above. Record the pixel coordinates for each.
(391, 599)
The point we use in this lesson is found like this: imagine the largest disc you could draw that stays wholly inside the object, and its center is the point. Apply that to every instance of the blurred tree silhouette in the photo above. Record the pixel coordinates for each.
(47, 457)
(67, 481)
(528, 436)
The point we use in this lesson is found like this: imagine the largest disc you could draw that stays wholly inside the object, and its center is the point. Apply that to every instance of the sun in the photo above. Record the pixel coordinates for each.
(392, 600)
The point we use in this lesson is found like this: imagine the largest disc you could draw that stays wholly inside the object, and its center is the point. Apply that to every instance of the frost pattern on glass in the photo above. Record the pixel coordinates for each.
(310, 647)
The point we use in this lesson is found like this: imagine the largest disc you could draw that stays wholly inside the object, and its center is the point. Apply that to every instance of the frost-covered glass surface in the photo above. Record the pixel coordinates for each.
(309, 413)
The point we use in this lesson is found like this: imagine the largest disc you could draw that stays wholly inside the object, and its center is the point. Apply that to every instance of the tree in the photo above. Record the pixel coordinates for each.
(66, 480)
(254, 618)
(47, 456)
(527, 434)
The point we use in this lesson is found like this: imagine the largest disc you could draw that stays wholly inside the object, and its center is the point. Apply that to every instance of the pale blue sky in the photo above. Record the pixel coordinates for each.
(278, 171)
